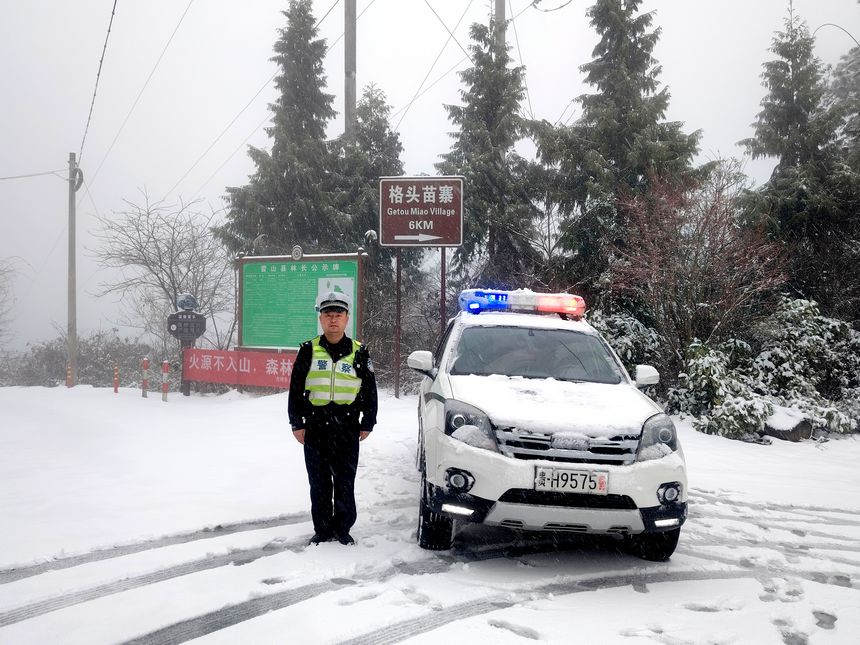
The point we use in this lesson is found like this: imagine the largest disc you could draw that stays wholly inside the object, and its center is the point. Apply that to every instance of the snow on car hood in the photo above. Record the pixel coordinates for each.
(548, 405)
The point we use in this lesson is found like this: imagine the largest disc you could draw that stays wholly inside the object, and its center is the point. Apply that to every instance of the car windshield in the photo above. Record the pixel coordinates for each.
(561, 354)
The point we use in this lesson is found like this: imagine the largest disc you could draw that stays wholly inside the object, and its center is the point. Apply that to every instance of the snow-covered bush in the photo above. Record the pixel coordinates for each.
(711, 376)
(803, 361)
(634, 343)
(45, 363)
(736, 417)
(810, 362)
(797, 358)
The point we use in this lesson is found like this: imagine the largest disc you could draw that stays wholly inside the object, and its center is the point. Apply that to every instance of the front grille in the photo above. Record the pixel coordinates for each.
(523, 444)
(568, 500)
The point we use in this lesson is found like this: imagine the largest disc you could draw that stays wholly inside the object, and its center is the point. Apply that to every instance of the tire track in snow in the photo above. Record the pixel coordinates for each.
(234, 614)
(400, 631)
(55, 603)
(847, 540)
(440, 564)
(13, 574)
(459, 554)
(235, 557)
(208, 623)
(219, 619)
(18, 573)
(811, 511)
(836, 578)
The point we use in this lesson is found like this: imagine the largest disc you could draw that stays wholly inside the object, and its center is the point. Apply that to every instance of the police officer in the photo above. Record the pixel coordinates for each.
(332, 406)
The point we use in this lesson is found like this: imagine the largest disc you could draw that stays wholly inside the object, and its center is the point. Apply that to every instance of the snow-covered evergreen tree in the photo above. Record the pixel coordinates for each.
(372, 152)
(793, 125)
(288, 199)
(618, 144)
(498, 213)
(813, 197)
(844, 92)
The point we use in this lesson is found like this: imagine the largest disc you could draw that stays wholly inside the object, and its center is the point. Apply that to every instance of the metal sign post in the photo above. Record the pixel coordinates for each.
(420, 211)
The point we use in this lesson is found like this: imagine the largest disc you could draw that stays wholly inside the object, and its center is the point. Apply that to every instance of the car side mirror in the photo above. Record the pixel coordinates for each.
(646, 375)
(422, 361)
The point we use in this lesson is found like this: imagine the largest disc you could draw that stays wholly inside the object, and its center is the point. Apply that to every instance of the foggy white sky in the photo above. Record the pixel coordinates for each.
(711, 54)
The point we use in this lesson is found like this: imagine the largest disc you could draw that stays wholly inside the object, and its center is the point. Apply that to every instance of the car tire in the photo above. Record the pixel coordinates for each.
(656, 547)
(435, 530)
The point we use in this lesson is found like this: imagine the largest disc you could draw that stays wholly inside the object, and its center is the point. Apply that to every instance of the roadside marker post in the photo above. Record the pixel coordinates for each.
(165, 371)
(145, 377)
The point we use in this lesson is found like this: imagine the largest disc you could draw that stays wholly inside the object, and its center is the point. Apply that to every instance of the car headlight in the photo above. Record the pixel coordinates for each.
(470, 425)
(659, 438)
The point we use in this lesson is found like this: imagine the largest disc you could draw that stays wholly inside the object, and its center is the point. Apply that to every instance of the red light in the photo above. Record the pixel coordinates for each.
(561, 303)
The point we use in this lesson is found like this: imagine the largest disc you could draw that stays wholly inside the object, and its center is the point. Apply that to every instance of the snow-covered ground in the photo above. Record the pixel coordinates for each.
(130, 519)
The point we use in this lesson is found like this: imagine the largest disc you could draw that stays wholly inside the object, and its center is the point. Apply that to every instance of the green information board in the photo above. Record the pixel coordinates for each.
(278, 295)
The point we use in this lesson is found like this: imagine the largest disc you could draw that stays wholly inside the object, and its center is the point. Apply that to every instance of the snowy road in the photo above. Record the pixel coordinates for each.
(747, 569)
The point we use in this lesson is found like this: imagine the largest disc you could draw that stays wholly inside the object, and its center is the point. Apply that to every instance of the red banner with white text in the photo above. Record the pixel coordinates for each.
(236, 367)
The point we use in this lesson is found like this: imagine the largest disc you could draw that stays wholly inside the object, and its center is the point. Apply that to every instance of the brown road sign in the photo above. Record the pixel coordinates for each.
(421, 211)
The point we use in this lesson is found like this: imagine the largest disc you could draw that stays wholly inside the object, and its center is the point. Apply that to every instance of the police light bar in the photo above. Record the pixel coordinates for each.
(477, 300)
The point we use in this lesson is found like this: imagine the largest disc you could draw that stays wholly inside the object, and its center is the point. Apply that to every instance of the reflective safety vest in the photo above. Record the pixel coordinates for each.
(332, 381)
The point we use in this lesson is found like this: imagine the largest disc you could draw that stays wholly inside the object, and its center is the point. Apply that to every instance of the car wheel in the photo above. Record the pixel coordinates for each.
(656, 547)
(435, 530)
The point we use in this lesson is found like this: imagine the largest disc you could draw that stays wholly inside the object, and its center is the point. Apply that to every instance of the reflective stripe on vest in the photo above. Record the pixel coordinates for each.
(331, 381)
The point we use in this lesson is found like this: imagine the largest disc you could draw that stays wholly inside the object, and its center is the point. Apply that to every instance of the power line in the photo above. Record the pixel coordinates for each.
(218, 138)
(520, 51)
(562, 6)
(242, 111)
(566, 108)
(830, 24)
(139, 94)
(439, 55)
(98, 75)
(232, 154)
(36, 174)
(427, 2)
(267, 117)
(429, 87)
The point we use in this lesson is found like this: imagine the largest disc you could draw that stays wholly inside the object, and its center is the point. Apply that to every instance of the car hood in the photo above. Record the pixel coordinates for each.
(551, 406)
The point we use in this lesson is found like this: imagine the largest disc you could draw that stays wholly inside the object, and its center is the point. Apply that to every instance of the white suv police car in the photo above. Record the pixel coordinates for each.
(527, 419)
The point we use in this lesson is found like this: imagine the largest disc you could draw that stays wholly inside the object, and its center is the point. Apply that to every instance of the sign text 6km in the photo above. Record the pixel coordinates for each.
(421, 211)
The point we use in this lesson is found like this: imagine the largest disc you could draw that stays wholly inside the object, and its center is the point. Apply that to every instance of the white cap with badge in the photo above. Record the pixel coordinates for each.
(333, 299)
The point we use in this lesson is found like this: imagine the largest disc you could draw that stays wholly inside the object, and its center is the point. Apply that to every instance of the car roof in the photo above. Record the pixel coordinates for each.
(516, 319)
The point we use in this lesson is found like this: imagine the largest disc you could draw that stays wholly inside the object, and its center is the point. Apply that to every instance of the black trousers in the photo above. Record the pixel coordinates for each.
(331, 459)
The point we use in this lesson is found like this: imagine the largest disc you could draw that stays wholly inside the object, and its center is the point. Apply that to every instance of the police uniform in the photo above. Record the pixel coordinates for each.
(333, 398)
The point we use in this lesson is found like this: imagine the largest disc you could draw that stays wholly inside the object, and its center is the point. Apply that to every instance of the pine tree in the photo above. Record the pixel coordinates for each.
(813, 197)
(793, 125)
(498, 213)
(844, 93)
(618, 144)
(288, 199)
(372, 152)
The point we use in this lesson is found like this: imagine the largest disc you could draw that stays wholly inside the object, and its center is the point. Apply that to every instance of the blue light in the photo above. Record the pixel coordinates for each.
(477, 300)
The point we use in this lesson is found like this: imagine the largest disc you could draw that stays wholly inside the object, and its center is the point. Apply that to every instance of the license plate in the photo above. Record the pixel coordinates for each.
(571, 481)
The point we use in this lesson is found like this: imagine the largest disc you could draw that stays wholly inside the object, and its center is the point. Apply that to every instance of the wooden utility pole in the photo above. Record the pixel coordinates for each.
(349, 68)
(72, 334)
